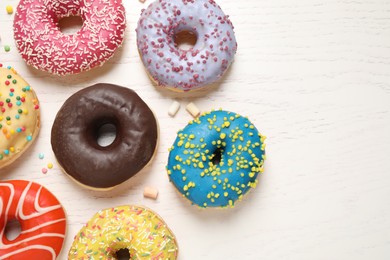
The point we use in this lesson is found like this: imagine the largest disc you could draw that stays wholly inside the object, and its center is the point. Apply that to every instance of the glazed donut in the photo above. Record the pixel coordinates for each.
(78, 122)
(43, 46)
(134, 230)
(19, 115)
(216, 158)
(42, 220)
(179, 69)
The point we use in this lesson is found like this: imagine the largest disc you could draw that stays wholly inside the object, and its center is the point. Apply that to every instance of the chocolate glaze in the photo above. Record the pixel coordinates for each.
(75, 129)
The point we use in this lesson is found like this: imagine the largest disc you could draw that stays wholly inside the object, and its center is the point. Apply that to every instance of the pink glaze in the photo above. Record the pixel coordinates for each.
(41, 217)
(43, 46)
(181, 69)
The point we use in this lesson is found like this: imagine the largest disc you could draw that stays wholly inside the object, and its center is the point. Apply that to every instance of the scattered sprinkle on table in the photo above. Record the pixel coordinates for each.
(9, 9)
(193, 109)
(50, 165)
(44, 170)
(173, 108)
(150, 192)
(7, 48)
(41, 156)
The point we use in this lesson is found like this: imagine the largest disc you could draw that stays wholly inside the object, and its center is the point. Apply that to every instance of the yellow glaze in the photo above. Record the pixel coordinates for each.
(19, 115)
(135, 228)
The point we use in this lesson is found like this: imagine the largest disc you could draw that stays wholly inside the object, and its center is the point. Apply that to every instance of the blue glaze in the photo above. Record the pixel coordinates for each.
(197, 172)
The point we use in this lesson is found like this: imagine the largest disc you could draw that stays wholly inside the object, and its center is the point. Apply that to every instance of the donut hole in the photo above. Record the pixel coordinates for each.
(185, 40)
(13, 229)
(122, 254)
(217, 156)
(106, 134)
(70, 24)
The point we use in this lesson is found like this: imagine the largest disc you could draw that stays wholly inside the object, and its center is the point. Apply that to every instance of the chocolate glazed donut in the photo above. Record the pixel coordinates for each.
(75, 132)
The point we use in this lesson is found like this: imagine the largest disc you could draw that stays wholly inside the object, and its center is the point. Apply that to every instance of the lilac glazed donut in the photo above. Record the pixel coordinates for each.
(42, 44)
(178, 69)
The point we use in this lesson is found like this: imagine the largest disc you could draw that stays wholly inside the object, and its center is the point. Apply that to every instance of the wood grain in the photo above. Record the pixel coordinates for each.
(314, 77)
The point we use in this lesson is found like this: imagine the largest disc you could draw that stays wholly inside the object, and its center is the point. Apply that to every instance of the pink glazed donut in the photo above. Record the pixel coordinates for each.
(178, 69)
(43, 46)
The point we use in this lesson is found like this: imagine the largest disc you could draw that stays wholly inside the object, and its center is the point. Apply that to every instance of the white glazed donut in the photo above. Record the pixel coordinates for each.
(43, 46)
(178, 69)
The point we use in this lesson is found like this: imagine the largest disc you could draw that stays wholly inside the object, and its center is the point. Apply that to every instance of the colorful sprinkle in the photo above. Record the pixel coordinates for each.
(125, 227)
(18, 118)
(9, 9)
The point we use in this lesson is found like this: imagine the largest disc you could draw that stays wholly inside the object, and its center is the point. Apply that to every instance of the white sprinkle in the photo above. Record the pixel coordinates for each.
(173, 108)
(193, 109)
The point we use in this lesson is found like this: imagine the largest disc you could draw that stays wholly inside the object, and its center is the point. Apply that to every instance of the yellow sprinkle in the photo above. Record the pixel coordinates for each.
(230, 162)
(222, 136)
(12, 149)
(9, 9)
(50, 165)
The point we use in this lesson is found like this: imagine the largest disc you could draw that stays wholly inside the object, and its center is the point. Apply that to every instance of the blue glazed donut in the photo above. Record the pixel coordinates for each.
(216, 158)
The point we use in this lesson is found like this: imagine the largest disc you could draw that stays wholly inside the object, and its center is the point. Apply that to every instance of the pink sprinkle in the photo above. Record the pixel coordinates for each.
(44, 170)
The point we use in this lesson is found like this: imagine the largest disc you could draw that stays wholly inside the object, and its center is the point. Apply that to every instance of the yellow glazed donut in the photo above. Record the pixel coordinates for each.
(126, 231)
(19, 115)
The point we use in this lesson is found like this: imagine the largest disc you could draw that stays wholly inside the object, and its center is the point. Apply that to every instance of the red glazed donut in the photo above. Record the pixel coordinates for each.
(43, 46)
(41, 217)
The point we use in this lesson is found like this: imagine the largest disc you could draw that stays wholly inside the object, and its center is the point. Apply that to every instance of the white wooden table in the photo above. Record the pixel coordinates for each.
(314, 77)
